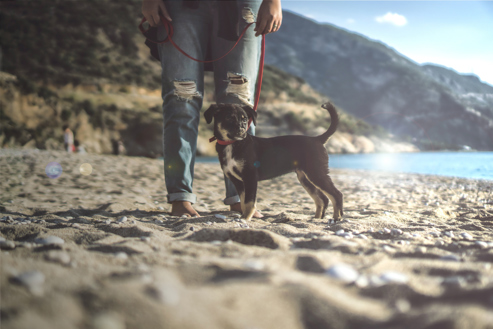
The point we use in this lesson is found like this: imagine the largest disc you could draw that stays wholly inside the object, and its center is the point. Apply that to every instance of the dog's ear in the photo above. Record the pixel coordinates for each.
(209, 113)
(251, 113)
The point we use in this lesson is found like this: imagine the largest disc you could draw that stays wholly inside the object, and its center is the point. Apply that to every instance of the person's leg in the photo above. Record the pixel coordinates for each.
(235, 76)
(182, 92)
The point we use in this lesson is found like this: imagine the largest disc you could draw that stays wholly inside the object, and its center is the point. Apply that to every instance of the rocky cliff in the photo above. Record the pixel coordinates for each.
(434, 105)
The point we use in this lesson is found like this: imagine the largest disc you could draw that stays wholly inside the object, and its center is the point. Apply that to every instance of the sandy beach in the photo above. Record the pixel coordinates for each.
(101, 250)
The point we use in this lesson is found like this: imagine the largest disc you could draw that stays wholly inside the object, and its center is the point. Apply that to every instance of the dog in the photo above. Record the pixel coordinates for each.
(247, 159)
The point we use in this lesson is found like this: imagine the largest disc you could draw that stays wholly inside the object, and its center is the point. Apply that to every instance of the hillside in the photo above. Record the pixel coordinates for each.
(97, 76)
(372, 81)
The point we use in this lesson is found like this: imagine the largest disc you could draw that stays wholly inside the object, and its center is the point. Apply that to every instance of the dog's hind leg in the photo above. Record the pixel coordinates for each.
(321, 201)
(325, 185)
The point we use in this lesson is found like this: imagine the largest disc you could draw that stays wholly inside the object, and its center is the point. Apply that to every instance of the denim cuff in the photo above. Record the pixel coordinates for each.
(231, 200)
(190, 197)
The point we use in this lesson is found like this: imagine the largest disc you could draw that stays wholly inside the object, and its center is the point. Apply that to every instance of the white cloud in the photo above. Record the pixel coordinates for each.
(392, 18)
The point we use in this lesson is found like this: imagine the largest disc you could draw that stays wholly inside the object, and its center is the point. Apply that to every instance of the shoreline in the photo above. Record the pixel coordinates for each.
(101, 250)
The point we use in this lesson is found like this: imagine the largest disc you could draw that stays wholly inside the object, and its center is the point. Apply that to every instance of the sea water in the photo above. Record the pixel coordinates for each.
(477, 165)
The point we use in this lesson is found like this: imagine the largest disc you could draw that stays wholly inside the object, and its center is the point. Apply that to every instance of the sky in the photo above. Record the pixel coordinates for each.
(454, 34)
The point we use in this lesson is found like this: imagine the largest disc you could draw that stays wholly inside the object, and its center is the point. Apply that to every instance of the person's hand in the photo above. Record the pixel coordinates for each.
(151, 9)
(269, 17)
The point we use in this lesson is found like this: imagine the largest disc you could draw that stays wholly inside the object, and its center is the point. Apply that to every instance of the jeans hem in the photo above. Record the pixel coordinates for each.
(231, 200)
(190, 197)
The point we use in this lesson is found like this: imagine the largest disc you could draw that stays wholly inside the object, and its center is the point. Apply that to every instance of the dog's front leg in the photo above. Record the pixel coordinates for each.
(249, 199)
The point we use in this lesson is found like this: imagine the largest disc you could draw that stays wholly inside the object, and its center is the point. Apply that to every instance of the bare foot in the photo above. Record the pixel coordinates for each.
(237, 207)
(180, 208)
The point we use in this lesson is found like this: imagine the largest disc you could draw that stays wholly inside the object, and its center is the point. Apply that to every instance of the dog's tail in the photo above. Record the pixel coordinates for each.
(334, 117)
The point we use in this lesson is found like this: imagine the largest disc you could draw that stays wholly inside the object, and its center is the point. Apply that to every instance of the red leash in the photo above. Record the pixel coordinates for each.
(170, 31)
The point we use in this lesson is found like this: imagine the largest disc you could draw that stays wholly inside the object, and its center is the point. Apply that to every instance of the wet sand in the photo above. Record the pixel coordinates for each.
(102, 251)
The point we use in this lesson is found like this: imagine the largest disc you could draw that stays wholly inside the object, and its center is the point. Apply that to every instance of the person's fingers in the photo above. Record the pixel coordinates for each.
(164, 11)
(260, 27)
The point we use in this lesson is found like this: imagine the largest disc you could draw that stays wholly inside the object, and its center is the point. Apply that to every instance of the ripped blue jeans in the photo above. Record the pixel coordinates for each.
(235, 78)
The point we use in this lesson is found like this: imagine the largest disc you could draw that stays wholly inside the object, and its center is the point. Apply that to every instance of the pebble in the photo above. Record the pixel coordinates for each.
(466, 236)
(439, 243)
(32, 280)
(220, 216)
(244, 226)
(371, 229)
(451, 257)
(416, 235)
(145, 238)
(192, 228)
(450, 234)
(160, 208)
(340, 232)
(76, 225)
(7, 245)
(393, 277)
(208, 223)
(50, 239)
(122, 219)
(158, 221)
(402, 305)
(343, 272)
(454, 281)
(388, 249)
(362, 236)
(421, 249)
(396, 231)
(435, 234)
(164, 217)
(107, 222)
(253, 264)
(216, 242)
(121, 255)
(58, 256)
(108, 321)
(386, 230)
(481, 244)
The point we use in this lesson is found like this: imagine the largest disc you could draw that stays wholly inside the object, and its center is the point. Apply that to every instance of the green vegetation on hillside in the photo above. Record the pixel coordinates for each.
(61, 42)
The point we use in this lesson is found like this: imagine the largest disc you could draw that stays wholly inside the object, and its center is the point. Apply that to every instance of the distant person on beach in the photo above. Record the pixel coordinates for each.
(204, 29)
(68, 139)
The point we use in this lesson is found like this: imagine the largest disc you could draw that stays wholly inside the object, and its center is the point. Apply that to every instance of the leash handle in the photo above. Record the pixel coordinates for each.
(169, 29)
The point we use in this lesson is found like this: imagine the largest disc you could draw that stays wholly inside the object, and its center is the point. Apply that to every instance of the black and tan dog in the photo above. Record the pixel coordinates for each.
(250, 159)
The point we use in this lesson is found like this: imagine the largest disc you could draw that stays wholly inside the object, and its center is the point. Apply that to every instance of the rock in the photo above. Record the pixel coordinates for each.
(362, 236)
(145, 238)
(402, 305)
(451, 257)
(340, 232)
(466, 236)
(343, 272)
(254, 264)
(122, 219)
(454, 281)
(396, 231)
(158, 221)
(435, 234)
(7, 245)
(107, 222)
(58, 256)
(450, 234)
(309, 264)
(108, 320)
(393, 277)
(50, 240)
(121, 255)
(386, 230)
(32, 280)
(388, 249)
(481, 244)
(421, 249)
(220, 216)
